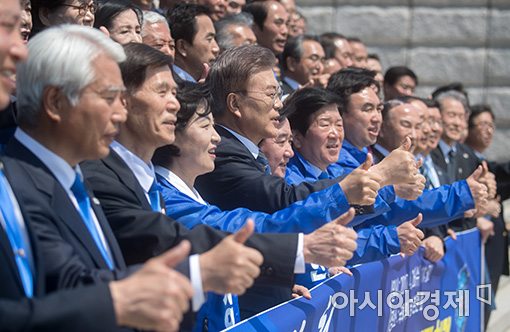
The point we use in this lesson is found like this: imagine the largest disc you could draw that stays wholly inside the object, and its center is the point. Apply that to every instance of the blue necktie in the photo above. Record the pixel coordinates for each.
(16, 238)
(261, 158)
(323, 175)
(81, 195)
(425, 172)
(154, 197)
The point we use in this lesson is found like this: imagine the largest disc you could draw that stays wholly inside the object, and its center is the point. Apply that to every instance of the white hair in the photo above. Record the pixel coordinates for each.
(60, 56)
(150, 17)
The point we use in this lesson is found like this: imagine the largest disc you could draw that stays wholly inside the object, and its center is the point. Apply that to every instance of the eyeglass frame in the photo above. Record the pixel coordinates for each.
(83, 8)
(278, 94)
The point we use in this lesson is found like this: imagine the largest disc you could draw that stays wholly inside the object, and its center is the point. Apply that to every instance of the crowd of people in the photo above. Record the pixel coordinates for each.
(183, 165)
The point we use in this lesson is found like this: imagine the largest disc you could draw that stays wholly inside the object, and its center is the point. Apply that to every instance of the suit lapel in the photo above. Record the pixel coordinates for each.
(6, 248)
(126, 176)
(69, 216)
(37, 262)
(60, 202)
(107, 232)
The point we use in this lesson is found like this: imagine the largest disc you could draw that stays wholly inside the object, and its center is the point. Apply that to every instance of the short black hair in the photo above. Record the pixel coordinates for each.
(374, 57)
(348, 81)
(182, 21)
(258, 10)
(140, 57)
(478, 109)
(393, 74)
(294, 48)
(327, 41)
(300, 106)
(109, 10)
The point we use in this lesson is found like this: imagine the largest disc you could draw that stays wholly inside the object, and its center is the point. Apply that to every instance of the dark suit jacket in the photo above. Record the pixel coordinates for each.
(70, 251)
(238, 180)
(143, 233)
(286, 88)
(82, 309)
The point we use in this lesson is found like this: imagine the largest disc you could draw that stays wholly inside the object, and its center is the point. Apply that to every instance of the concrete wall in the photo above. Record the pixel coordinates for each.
(441, 40)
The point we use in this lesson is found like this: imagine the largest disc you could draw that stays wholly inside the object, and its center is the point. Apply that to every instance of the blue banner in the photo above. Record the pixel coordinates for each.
(395, 294)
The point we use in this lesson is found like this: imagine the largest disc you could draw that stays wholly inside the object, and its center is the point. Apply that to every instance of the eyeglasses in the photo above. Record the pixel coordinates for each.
(277, 95)
(485, 125)
(83, 8)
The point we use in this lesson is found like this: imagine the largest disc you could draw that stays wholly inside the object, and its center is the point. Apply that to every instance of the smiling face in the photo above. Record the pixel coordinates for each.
(278, 150)
(91, 126)
(70, 14)
(126, 28)
(12, 48)
(257, 113)
(481, 133)
(362, 120)
(422, 143)
(323, 140)
(197, 144)
(153, 108)
(402, 121)
(454, 120)
(436, 127)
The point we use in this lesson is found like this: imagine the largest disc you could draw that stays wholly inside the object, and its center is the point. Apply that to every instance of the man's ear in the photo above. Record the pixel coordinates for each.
(233, 105)
(44, 16)
(291, 64)
(181, 47)
(54, 103)
(297, 139)
(104, 30)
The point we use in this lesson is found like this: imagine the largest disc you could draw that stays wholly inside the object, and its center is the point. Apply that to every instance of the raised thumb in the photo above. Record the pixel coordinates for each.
(368, 162)
(345, 218)
(175, 255)
(244, 233)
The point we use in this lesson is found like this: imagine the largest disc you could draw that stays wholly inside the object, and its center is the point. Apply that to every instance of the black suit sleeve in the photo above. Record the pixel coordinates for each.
(80, 310)
(144, 234)
(238, 181)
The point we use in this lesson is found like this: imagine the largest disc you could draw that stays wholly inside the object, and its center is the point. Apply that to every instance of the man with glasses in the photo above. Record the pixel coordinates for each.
(302, 64)
(246, 110)
(48, 13)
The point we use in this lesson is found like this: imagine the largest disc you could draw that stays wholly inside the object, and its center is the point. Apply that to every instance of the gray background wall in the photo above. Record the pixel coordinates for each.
(441, 40)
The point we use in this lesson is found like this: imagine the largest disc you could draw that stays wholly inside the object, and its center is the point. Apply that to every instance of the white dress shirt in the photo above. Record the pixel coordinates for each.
(145, 175)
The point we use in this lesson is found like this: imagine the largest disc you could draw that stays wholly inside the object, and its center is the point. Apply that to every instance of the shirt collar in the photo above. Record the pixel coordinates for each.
(381, 149)
(252, 147)
(445, 148)
(359, 155)
(61, 170)
(183, 74)
(179, 184)
(143, 172)
(292, 83)
(479, 155)
(314, 170)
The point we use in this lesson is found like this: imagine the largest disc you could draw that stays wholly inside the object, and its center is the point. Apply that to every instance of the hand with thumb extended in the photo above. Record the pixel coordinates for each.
(406, 144)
